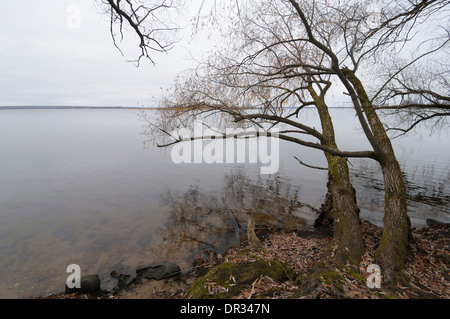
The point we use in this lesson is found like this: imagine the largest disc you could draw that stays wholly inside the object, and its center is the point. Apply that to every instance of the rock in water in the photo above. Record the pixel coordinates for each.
(159, 270)
(89, 284)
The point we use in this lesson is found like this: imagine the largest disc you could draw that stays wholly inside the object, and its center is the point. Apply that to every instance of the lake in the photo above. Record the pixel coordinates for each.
(77, 186)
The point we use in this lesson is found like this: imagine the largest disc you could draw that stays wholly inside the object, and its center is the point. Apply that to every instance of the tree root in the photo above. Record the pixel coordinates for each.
(324, 282)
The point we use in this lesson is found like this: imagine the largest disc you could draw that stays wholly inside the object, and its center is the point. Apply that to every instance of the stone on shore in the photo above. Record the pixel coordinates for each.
(434, 222)
(88, 284)
(158, 271)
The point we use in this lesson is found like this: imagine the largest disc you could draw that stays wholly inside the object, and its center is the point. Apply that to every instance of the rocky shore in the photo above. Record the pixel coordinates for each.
(282, 269)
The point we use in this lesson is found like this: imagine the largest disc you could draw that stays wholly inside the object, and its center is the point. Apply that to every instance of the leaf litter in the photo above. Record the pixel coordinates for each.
(428, 269)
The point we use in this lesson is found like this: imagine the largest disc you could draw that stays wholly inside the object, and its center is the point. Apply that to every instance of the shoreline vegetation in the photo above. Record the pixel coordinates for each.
(290, 265)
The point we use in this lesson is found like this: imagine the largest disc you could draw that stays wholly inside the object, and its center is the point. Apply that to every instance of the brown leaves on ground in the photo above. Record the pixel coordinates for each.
(428, 270)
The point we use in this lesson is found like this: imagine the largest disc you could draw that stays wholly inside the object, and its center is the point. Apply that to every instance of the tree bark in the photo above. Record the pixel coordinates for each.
(347, 238)
(253, 240)
(340, 204)
(325, 218)
(394, 247)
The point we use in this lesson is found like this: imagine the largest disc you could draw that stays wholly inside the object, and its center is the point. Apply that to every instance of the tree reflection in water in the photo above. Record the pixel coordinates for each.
(201, 225)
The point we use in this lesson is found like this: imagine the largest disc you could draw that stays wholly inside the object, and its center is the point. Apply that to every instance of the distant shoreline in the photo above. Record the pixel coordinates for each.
(40, 107)
(74, 108)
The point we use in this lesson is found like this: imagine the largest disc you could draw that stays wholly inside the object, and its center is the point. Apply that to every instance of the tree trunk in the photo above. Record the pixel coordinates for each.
(394, 246)
(392, 252)
(347, 238)
(340, 206)
(253, 240)
(325, 218)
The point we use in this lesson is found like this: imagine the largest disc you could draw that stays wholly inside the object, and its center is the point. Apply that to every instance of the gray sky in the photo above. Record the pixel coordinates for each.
(45, 62)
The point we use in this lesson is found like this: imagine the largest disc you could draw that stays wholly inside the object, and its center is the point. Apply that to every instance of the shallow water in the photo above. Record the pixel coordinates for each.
(77, 186)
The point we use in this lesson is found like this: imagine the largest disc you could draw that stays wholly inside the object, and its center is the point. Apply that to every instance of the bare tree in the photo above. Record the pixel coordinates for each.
(418, 94)
(149, 20)
(415, 97)
(285, 51)
(411, 53)
(265, 72)
(289, 53)
(365, 46)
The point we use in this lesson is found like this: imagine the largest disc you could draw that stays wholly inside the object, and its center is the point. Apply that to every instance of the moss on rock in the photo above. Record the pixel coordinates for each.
(229, 278)
(322, 280)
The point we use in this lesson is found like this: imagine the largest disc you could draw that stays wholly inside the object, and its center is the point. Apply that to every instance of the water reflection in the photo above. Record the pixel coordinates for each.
(427, 188)
(102, 207)
(200, 225)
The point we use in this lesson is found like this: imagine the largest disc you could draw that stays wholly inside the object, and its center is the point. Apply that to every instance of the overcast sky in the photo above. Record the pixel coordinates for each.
(45, 60)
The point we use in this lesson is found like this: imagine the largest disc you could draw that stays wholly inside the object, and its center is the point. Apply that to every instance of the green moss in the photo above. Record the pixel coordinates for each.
(300, 279)
(233, 277)
(199, 289)
(388, 296)
(327, 275)
(332, 278)
(322, 279)
(355, 275)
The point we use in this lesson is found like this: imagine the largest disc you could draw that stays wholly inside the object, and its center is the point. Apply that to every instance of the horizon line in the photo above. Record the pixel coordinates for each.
(11, 107)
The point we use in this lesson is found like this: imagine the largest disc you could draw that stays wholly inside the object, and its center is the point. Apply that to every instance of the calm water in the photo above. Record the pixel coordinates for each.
(77, 186)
